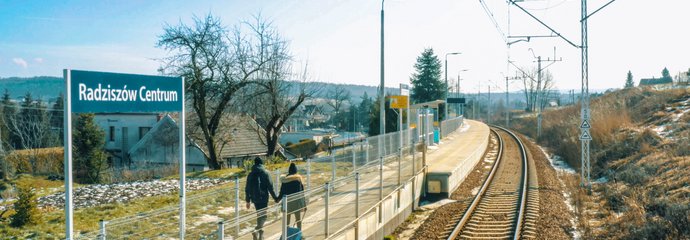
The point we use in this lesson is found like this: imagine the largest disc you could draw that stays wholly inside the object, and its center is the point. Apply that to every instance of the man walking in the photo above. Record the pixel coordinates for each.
(257, 189)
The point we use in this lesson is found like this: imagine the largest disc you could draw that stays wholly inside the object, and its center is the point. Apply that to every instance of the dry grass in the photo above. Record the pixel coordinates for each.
(647, 196)
(44, 161)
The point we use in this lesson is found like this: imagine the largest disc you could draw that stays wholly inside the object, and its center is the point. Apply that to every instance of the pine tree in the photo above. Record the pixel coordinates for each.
(9, 109)
(665, 73)
(25, 207)
(56, 118)
(364, 108)
(88, 142)
(629, 81)
(426, 81)
(391, 118)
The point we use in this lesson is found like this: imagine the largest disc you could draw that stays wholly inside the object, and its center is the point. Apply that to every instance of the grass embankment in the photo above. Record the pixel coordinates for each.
(640, 149)
(153, 216)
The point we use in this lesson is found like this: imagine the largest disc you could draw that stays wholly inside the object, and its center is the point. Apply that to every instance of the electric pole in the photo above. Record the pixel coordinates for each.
(540, 89)
(382, 99)
(585, 136)
(488, 107)
(586, 124)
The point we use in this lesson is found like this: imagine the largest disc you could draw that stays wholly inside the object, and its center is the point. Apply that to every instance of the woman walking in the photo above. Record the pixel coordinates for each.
(292, 184)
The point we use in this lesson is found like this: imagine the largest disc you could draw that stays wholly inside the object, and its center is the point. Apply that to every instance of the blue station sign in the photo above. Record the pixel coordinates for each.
(102, 92)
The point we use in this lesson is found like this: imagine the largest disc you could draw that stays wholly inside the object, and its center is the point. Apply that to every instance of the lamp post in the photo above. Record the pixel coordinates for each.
(445, 109)
(382, 105)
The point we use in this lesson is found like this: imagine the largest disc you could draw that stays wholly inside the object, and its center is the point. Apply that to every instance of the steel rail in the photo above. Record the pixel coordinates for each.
(478, 198)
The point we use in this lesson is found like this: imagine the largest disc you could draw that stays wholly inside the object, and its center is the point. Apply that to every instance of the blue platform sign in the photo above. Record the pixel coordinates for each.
(102, 92)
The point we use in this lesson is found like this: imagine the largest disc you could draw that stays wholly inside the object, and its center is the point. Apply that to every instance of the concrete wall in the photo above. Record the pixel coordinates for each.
(368, 225)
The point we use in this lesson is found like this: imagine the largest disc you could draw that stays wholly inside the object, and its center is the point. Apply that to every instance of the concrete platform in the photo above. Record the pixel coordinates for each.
(452, 160)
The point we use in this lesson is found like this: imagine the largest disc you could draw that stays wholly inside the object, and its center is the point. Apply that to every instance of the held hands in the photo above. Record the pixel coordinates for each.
(276, 199)
(249, 205)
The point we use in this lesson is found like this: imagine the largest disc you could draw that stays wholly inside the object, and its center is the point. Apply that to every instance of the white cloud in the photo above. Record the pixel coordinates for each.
(21, 62)
(38, 60)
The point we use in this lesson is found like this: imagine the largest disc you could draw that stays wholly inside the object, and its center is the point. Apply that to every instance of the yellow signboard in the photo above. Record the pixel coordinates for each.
(399, 101)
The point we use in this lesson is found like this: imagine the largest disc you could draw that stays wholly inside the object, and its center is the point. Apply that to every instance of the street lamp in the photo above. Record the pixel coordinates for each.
(382, 105)
(445, 109)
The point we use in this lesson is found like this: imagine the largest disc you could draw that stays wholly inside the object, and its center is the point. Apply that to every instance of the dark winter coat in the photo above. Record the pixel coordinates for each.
(293, 184)
(258, 186)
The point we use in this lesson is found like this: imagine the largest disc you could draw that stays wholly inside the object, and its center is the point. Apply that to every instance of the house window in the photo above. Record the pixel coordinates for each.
(143, 131)
(112, 133)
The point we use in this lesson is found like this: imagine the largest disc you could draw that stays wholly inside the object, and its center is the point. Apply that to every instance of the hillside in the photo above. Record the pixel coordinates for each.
(46, 88)
(640, 161)
(42, 87)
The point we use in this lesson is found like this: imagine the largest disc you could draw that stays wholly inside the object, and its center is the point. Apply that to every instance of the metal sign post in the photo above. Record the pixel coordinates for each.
(100, 92)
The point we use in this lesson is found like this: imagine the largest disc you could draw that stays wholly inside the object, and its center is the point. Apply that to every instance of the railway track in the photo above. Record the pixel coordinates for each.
(507, 204)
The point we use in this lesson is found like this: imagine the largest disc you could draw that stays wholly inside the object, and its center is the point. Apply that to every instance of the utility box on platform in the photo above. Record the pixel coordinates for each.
(434, 187)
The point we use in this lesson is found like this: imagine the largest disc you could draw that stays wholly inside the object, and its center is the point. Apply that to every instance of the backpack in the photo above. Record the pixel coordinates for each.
(259, 192)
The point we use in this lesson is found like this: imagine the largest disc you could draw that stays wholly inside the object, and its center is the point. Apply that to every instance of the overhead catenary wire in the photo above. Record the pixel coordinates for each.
(493, 20)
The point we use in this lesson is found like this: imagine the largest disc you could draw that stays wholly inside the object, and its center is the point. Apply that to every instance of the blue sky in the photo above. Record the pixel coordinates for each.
(340, 38)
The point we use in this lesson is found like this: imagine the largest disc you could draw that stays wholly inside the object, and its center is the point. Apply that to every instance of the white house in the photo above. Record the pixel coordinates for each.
(122, 131)
(146, 140)
(159, 147)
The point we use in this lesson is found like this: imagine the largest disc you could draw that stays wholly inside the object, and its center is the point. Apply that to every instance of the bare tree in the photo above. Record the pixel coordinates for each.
(279, 90)
(275, 105)
(337, 96)
(537, 88)
(547, 88)
(216, 64)
(32, 127)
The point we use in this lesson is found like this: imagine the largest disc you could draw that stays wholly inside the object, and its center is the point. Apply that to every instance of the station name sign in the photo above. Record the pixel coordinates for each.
(120, 93)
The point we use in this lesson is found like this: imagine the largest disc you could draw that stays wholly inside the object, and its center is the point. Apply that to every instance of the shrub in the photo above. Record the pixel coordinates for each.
(633, 175)
(614, 199)
(43, 161)
(26, 210)
(305, 148)
(7, 191)
(89, 158)
(652, 229)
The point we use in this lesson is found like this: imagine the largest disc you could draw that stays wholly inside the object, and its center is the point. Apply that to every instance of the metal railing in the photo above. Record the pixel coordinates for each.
(221, 211)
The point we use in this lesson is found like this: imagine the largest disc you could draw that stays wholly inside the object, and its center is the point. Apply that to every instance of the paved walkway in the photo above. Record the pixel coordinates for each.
(342, 200)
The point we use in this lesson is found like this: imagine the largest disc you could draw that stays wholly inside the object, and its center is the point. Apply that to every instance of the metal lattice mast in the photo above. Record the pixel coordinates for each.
(585, 136)
(538, 100)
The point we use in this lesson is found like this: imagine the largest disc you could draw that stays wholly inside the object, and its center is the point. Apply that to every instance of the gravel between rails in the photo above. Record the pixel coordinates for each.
(429, 222)
(554, 216)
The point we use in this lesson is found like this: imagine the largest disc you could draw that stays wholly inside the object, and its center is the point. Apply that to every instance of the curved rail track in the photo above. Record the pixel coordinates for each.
(507, 204)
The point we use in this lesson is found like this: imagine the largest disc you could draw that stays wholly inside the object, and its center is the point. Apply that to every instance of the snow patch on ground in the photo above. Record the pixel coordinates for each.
(465, 127)
(475, 191)
(661, 130)
(204, 219)
(677, 116)
(437, 204)
(226, 211)
(563, 168)
(601, 180)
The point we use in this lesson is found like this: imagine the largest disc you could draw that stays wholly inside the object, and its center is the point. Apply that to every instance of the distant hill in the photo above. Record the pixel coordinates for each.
(48, 88)
(42, 87)
(356, 91)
